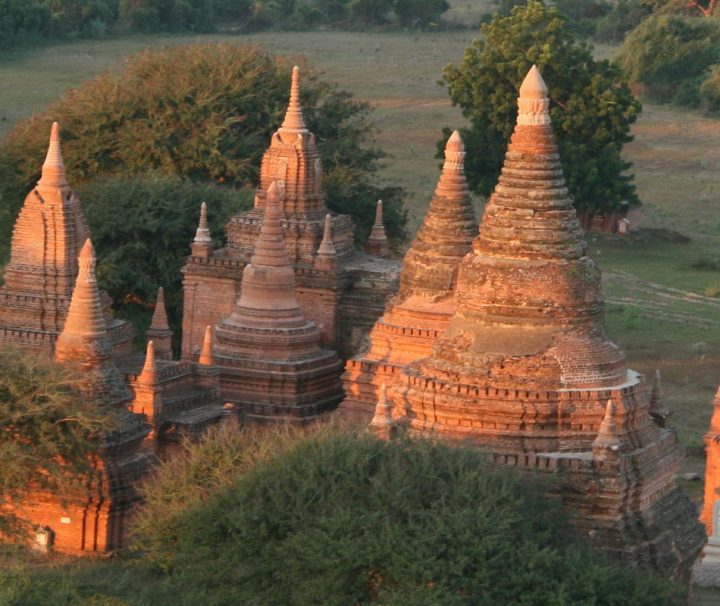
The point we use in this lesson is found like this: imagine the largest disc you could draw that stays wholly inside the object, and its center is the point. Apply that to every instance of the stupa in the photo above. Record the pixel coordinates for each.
(343, 295)
(424, 304)
(525, 369)
(40, 275)
(93, 517)
(269, 355)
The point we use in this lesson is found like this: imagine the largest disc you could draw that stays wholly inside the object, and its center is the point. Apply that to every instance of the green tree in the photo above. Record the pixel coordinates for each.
(148, 247)
(591, 105)
(419, 12)
(206, 113)
(48, 430)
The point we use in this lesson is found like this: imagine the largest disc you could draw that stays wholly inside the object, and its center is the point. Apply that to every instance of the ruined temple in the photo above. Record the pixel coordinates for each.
(40, 276)
(93, 516)
(424, 303)
(526, 371)
(339, 288)
(271, 363)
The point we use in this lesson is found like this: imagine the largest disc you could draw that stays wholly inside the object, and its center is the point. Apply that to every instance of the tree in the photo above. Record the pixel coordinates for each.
(419, 12)
(206, 113)
(49, 431)
(591, 105)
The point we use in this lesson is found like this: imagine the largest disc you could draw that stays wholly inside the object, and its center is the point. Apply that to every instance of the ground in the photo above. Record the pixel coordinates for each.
(662, 284)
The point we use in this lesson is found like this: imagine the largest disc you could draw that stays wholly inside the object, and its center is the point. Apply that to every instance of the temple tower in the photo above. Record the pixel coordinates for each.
(424, 304)
(269, 355)
(525, 369)
(343, 291)
(377, 243)
(159, 331)
(40, 275)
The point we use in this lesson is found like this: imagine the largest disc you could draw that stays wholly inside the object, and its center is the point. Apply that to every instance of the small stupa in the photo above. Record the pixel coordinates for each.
(159, 331)
(377, 243)
(423, 307)
(269, 355)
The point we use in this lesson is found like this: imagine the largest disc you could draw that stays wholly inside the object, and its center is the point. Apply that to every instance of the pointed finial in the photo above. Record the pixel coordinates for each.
(207, 357)
(202, 235)
(658, 411)
(148, 376)
(270, 249)
(533, 102)
(326, 252)
(53, 169)
(452, 179)
(454, 143)
(382, 422)
(159, 319)
(294, 118)
(377, 243)
(607, 440)
(379, 213)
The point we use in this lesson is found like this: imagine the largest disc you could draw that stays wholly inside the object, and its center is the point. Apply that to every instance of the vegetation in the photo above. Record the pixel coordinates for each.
(591, 106)
(674, 59)
(51, 430)
(285, 517)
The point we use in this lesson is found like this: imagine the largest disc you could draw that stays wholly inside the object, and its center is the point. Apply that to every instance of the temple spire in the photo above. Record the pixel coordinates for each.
(326, 257)
(607, 443)
(383, 424)
(85, 340)
(207, 357)
(294, 117)
(377, 243)
(533, 102)
(148, 376)
(270, 249)
(452, 181)
(159, 331)
(53, 169)
(658, 410)
(202, 245)
(159, 319)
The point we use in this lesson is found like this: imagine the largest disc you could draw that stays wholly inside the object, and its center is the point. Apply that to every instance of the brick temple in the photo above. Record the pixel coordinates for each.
(525, 370)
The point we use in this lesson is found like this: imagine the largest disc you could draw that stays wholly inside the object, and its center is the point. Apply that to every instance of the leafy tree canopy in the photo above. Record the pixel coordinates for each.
(591, 105)
(47, 430)
(206, 113)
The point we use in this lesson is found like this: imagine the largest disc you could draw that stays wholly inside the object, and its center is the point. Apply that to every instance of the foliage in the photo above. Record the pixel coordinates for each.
(147, 248)
(326, 518)
(671, 56)
(204, 112)
(48, 429)
(591, 106)
(419, 12)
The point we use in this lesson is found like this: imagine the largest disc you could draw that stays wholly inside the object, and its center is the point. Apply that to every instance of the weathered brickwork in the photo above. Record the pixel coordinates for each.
(526, 371)
(420, 311)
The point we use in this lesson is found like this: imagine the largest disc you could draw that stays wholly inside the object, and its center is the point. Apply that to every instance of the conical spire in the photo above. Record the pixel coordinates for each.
(377, 243)
(148, 376)
(715, 420)
(326, 257)
(53, 169)
(202, 235)
(452, 183)
(382, 423)
(658, 410)
(533, 102)
(159, 319)
(207, 357)
(607, 440)
(270, 249)
(294, 118)
(85, 340)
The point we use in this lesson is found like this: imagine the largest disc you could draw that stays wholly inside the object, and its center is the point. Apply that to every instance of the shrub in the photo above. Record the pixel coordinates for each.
(670, 56)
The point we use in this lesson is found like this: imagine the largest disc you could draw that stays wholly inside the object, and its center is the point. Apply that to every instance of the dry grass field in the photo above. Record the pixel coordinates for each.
(662, 284)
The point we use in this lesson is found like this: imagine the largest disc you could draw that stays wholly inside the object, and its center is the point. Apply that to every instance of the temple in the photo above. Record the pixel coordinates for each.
(43, 266)
(525, 371)
(271, 363)
(338, 287)
(424, 303)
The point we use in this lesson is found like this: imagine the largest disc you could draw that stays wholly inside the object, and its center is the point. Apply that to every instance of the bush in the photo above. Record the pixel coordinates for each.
(710, 90)
(591, 106)
(325, 518)
(205, 113)
(670, 56)
(147, 248)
